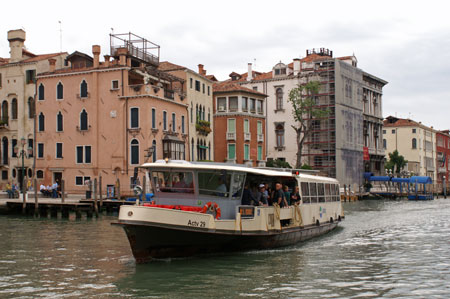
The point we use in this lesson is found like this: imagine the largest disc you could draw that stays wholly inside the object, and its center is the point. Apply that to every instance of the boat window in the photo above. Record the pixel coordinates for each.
(313, 192)
(337, 193)
(321, 192)
(237, 185)
(216, 183)
(166, 181)
(305, 192)
(328, 196)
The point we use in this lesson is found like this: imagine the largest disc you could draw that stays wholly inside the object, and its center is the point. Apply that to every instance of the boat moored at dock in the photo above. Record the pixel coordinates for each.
(201, 208)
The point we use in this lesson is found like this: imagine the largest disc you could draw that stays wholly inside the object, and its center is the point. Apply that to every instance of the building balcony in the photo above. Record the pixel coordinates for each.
(442, 170)
(247, 136)
(260, 137)
(87, 96)
(169, 94)
(231, 136)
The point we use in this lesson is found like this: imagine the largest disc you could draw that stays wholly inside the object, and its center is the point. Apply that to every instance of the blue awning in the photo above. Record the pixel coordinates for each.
(379, 178)
(420, 180)
(400, 180)
(367, 175)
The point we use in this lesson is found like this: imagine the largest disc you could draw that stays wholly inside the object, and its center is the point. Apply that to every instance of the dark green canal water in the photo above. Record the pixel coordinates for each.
(382, 249)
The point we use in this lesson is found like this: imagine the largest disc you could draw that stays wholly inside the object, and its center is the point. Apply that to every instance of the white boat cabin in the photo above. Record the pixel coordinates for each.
(195, 184)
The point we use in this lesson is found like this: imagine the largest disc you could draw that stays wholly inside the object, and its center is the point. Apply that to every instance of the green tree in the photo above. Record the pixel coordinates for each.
(305, 111)
(396, 162)
(278, 164)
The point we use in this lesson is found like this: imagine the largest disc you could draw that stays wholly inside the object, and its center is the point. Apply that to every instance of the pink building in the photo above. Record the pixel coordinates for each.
(105, 118)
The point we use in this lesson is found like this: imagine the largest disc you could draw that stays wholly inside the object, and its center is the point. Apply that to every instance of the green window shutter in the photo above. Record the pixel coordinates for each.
(231, 151)
(259, 127)
(246, 130)
(246, 152)
(259, 152)
(231, 125)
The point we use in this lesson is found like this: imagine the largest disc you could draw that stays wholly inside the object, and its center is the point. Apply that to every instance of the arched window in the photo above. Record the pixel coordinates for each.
(5, 112)
(14, 108)
(59, 122)
(30, 107)
(59, 91)
(279, 97)
(41, 92)
(279, 132)
(134, 151)
(196, 113)
(203, 113)
(5, 150)
(414, 143)
(83, 120)
(154, 150)
(83, 89)
(41, 122)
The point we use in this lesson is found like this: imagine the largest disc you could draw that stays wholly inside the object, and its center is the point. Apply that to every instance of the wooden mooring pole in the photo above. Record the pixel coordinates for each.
(100, 190)
(36, 204)
(63, 193)
(95, 198)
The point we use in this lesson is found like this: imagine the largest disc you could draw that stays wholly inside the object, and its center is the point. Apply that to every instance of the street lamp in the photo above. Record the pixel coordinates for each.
(23, 154)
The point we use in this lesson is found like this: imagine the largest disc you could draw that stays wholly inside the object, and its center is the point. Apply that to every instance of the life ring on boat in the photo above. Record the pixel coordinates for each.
(213, 208)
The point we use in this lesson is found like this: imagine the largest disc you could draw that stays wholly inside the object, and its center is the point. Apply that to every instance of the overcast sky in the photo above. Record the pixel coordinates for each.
(406, 43)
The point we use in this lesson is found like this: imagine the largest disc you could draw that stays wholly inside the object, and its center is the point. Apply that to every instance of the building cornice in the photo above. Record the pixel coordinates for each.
(64, 74)
(239, 114)
(153, 97)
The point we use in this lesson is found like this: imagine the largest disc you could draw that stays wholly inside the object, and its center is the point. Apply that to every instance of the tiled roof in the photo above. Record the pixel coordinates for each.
(392, 122)
(227, 86)
(315, 57)
(211, 77)
(345, 58)
(169, 66)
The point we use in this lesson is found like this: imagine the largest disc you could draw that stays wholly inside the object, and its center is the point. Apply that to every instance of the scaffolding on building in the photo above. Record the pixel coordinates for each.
(320, 144)
(138, 47)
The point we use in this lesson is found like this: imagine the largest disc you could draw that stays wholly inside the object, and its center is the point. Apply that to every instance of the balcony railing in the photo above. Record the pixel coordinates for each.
(260, 137)
(247, 136)
(169, 94)
(231, 136)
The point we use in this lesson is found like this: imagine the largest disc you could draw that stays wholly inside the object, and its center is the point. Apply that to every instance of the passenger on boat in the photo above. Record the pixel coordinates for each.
(247, 197)
(287, 194)
(279, 196)
(261, 196)
(180, 185)
(295, 197)
(222, 188)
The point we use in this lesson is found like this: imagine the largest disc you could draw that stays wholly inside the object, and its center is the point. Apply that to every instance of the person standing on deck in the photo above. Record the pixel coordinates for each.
(279, 196)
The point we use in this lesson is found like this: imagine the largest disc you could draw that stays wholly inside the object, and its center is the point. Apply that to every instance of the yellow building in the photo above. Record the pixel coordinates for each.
(17, 91)
(414, 141)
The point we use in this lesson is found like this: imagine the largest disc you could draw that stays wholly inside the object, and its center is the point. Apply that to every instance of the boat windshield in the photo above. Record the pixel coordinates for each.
(167, 181)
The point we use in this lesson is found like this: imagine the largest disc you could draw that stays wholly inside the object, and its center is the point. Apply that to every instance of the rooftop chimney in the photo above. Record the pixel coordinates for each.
(296, 66)
(201, 71)
(249, 72)
(122, 55)
(96, 52)
(107, 60)
(16, 40)
(52, 63)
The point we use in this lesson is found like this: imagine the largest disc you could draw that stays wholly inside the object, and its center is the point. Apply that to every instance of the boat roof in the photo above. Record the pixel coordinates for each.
(181, 164)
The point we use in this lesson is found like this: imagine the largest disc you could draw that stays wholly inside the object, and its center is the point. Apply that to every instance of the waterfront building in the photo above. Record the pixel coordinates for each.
(239, 124)
(442, 156)
(17, 90)
(337, 143)
(105, 118)
(197, 89)
(414, 141)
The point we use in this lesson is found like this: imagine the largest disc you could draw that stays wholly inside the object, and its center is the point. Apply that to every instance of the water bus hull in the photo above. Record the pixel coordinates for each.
(201, 208)
(150, 241)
